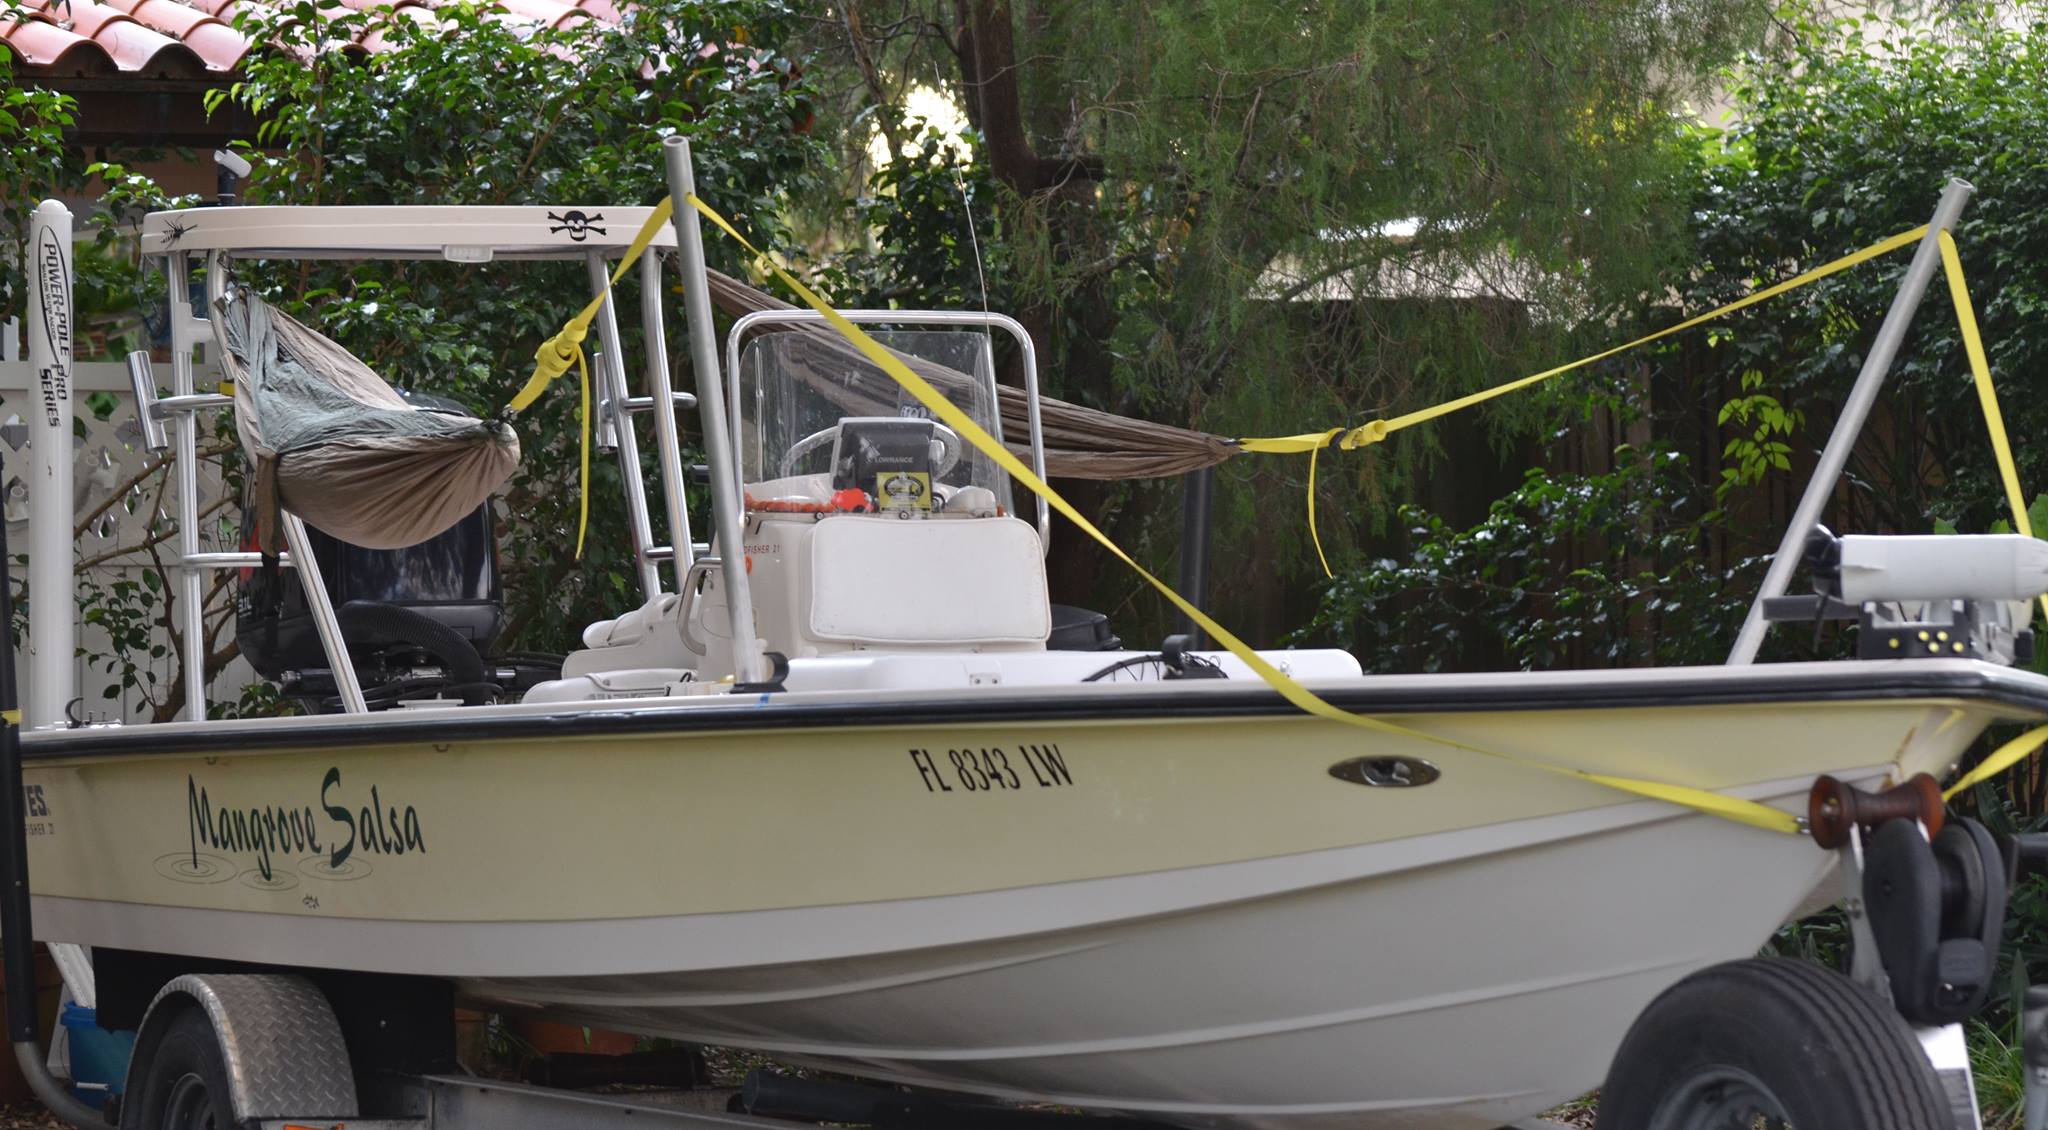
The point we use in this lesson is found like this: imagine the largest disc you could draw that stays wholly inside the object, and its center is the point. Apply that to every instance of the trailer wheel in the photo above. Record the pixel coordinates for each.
(183, 1085)
(1771, 1043)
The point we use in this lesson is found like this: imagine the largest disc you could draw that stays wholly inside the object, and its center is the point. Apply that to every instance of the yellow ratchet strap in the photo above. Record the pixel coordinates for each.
(1367, 434)
(557, 353)
(2001, 759)
(1315, 532)
(1987, 394)
(1700, 800)
(2019, 748)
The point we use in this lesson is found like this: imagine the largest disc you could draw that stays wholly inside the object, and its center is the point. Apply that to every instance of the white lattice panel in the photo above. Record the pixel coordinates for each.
(123, 508)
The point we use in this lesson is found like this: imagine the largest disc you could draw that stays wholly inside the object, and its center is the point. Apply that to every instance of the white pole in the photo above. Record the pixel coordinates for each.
(53, 601)
(725, 487)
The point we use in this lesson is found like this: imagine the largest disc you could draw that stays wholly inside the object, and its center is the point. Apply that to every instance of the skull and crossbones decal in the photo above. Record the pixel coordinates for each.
(578, 225)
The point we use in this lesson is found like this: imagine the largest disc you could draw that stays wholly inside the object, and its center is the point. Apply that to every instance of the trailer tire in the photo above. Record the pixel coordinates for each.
(1776, 1039)
(182, 1083)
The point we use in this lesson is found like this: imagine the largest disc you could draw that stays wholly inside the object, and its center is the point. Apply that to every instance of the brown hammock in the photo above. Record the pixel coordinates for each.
(335, 445)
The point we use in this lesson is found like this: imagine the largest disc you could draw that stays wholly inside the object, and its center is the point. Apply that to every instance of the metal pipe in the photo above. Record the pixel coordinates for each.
(676, 400)
(52, 582)
(235, 559)
(1876, 366)
(663, 399)
(55, 1096)
(324, 620)
(17, 918)
(1031, 415)
(611, 385)
(167, 406)
(142, 379)
(725, 487)
(1197, 503)
(185, 439)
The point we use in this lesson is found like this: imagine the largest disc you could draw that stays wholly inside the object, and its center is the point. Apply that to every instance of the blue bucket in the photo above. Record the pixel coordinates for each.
(99, 1058)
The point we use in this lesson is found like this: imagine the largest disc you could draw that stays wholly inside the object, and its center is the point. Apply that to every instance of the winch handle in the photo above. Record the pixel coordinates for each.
(1834, 806)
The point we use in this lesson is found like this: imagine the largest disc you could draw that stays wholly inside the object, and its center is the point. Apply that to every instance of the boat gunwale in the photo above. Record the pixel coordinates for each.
(1822, 682)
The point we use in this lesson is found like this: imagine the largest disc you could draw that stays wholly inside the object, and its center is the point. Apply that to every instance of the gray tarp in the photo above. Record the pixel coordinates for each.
(333, 442)
(1080, 443)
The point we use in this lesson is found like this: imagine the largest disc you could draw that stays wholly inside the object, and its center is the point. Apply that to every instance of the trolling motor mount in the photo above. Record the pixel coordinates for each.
(1924, 596)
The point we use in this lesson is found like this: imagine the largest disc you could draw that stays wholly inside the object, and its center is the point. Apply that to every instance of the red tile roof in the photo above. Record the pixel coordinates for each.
(196, 38)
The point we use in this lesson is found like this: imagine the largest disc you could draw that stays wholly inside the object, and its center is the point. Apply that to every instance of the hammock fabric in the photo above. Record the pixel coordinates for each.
(338, 447)
(1080, 443)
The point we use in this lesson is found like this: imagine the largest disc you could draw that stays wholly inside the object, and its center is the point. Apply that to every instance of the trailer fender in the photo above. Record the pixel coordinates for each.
(284, 1050)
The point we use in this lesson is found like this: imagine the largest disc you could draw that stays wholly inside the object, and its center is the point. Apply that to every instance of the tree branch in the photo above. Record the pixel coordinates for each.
(871, 77)
(988, 69)
(157, 537)
(156, 463)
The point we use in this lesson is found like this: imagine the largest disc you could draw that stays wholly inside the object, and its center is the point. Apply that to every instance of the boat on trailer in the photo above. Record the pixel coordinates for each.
(868, 804)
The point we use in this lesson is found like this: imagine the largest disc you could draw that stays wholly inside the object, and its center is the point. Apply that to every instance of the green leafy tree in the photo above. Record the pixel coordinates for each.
(33, 165)
(1844, 134)
(1264, 218)
(1847, 136)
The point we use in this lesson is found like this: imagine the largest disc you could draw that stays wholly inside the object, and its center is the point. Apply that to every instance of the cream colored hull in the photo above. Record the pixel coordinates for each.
(1184, 914)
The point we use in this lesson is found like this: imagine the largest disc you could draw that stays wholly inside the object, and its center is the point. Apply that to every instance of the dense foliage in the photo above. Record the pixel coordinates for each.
(1847, 137)
(1567, 569)
(1839, 143)
(1202, 205)
(32, 167)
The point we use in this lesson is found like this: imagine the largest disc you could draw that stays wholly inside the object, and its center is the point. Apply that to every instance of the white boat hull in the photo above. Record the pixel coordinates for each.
(1195, 928)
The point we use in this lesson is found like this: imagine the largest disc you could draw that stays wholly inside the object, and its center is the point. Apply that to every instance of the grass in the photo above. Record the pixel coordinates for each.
(1579, 1113)
(2000, 1073)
